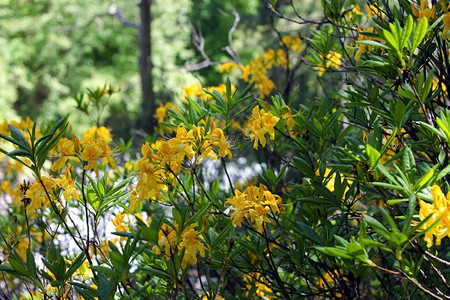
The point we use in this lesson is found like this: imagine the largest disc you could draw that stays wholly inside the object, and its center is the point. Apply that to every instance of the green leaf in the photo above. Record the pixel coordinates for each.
(307, 232)
(7, 269)
(19, 152)
(9, 139)
(406, 32)
(441, 173)
(436, 23)
(399, 113)
(425, 178)
(425, 90)
(388, 219)
(20, 139)
(177, 216)
(74, 266)
(377, 226)
(390, 186)
(373, 44)
(193, 104)
(157, 272)
(273, 3)
(198, 215)
(336, 252)
(390, 39)
(83, 293)
(373, 154)
(433, 129)
(409, 213)
(105, 270)
(222, 235)
(385, 147)
(52, 131)
(409, 164)
(31, 263)
(397, 239)
(443, 127)
(18, 266)
(103, 290)
(56, 283)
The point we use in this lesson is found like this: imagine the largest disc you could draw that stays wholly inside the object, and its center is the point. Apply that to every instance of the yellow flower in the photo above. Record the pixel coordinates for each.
(90, 154)
(424, 11)
(363, 48)
(218, 139)
(211, 296)
(256, 71)
(333, 60)
(38, 195)
(254, 204)
(275, 58)
(189, 241)
(256, 280)
(446, 21)
(119, 222)
(191, 91)
(191, 245)
(294, 44)
(67, 184)
(65, 150)
(443, 6)
(98, 133)
(162, 112)
(330, 180)
(107, 154)
(149, 175)
(226, 67)
(166, 241)
(373, 9)
(355, 10)
(221, 89)
(260, 123)
(241, 206)
(440, 211)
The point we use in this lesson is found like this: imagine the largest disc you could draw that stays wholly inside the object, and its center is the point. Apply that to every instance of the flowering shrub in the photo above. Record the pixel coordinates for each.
(349, 202)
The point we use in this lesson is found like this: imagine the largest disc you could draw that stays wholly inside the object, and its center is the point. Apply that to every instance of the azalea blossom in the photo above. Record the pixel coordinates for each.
(440, 213)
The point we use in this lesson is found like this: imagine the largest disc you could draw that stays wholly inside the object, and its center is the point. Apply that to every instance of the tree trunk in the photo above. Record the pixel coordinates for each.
(147, 122)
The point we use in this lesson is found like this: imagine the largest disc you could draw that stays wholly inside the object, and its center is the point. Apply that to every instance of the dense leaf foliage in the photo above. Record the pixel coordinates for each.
(252, 188)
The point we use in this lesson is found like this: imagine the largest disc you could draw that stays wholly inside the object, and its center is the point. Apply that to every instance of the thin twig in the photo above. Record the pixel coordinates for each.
(58, 213)
(112, 12)
(423, 288)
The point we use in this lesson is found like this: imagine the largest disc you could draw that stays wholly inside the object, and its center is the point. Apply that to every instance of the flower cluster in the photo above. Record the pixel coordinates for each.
(171, 242)
(257, 69)
(263, 291)
(438, 224)
(39, 192)
(255, 204)
(93, 147)
(362, 47)
(196, 90)
(332, 60)
(292, 43)
(260, 123)
(161, 163)
(424, 11)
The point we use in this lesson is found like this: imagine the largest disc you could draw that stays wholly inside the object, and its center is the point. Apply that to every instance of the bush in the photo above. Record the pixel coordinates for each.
(349, 202)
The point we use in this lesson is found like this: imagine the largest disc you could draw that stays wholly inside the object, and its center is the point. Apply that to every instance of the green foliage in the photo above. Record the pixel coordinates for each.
(348, 197)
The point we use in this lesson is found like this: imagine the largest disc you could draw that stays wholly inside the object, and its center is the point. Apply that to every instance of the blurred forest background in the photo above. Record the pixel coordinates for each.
(52, 50)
